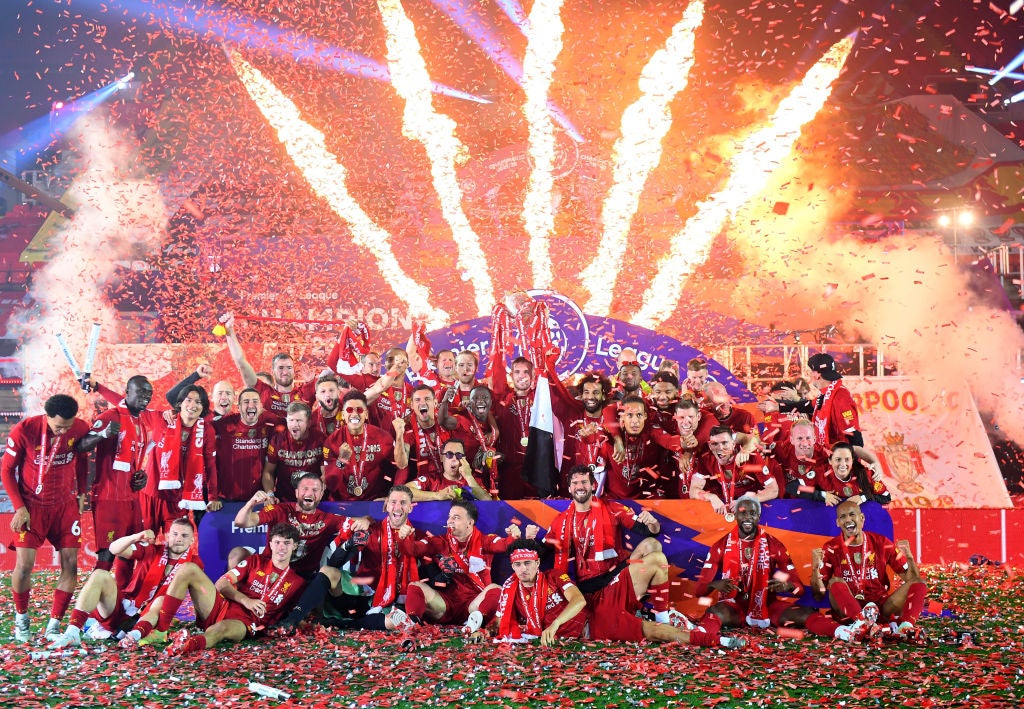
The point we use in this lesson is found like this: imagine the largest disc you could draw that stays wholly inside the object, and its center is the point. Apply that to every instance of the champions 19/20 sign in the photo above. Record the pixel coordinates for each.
(590, 343)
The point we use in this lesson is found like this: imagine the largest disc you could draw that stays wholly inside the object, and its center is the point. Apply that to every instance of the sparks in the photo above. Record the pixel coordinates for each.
(750, 170)
(326, 175)
(436, 132)
(638, 151)
(544, 34)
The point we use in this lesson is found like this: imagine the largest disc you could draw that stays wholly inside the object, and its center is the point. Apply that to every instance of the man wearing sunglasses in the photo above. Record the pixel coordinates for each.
(456, 475)
(361, 461)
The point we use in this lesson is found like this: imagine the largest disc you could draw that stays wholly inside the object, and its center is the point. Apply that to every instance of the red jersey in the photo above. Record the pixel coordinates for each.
(860, 482)
(391, 404)
(637, 475)
(556, 602)
(475, 435)
(801, 472)
(477, 574)
(294, 459)
(360, 381)
(779, 561)
(41, 469)
(835, 414)
(317, 530)
(425, 445)
(582, 531)
(151, 559)
(864, 567)
(731, 481)
(277, 402)
(241, 451)
(257, 577)
(326, 424)
(372, 554)
(369, 473)
(114, 467)
(739, 420)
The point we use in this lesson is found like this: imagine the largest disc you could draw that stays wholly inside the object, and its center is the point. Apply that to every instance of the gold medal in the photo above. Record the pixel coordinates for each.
(523, 441)
(357, 491)
(847, 491)
(859, 596)
(730, 517)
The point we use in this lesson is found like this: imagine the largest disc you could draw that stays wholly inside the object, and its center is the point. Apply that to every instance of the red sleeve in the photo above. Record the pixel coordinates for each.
(333, 357)
(420, 548)
(711, 568)
(109, 394)
(563, 404)
(665, 440)
(499, 387)
(494, 544)
(622, 513)
(14, 455)
(844, 412)
(307, 392)
(829, 563)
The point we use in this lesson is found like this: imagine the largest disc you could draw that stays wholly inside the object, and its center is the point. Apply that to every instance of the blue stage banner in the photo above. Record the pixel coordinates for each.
(688, 528)
(589, 343)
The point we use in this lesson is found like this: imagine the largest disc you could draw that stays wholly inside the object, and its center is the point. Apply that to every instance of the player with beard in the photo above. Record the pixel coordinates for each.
(466, 364)
(614, 582)
(368, 375)
(424, 439)
(512, 411)
(636, 475)
(327, 414)
(588, 440)
(663, 398)
(317, 528)
(719, 411)
(44, 475)
(116, 608)
(629, 381)
(242, 441)
(750, 568)
(848, 479)
(456, 474)
(853, 569)
(464, 593)
(684, 445)
(477, 429)
(292, 453)
(284, 390)
(361, 461)
(730, 470)
(182, 471)
(382, 566)
(389, 397)
(247, 599)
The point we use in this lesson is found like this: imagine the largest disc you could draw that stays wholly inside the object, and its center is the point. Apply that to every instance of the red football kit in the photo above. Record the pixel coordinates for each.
(369, 473)
(277, 402)
(316, 531)
(257, 577)
(241, 451)
(294, 459)
(43, 473)
(864, 567)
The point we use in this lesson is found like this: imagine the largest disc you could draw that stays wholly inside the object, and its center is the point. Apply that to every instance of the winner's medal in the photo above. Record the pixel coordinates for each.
(730, 517)
(357, 491)
(524, 440)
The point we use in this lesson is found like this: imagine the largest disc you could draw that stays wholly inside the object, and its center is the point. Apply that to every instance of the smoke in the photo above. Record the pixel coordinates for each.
(117, 210)
(904, 293)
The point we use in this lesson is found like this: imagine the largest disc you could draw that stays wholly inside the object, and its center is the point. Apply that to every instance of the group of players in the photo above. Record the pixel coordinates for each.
(449, 437)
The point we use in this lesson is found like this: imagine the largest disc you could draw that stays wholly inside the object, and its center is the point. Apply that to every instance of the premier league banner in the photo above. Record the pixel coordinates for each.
(589, 343)
(688, 529)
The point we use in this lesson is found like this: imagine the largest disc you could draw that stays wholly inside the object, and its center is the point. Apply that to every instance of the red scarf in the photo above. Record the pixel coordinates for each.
(598, 543)
(473, 562)
(353, 345)
(533, 607)
(155, 584)
(823, 412)
(396, 570)
(169, 463)
(128, 459)
(755, 581)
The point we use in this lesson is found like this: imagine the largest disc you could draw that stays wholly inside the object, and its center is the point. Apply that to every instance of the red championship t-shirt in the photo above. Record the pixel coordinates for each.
(41, 469)
(294, 459)
(369, 473)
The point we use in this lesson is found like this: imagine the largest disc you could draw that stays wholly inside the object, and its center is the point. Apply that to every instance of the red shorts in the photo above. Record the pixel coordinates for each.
(613, 611)
(775, 610)
(113, 519)
(58, 525)
(457, 598)
(223, 609)
(116, 618)
(158, 512)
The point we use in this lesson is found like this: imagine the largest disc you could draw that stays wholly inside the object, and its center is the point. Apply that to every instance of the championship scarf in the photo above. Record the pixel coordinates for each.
(155, 583)
(353, 345)
(598, 534)
(128, 459)
(822, 413)
(533, 608)
(755, 585)
(396, 571)
(169, 465)
(473, 562)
